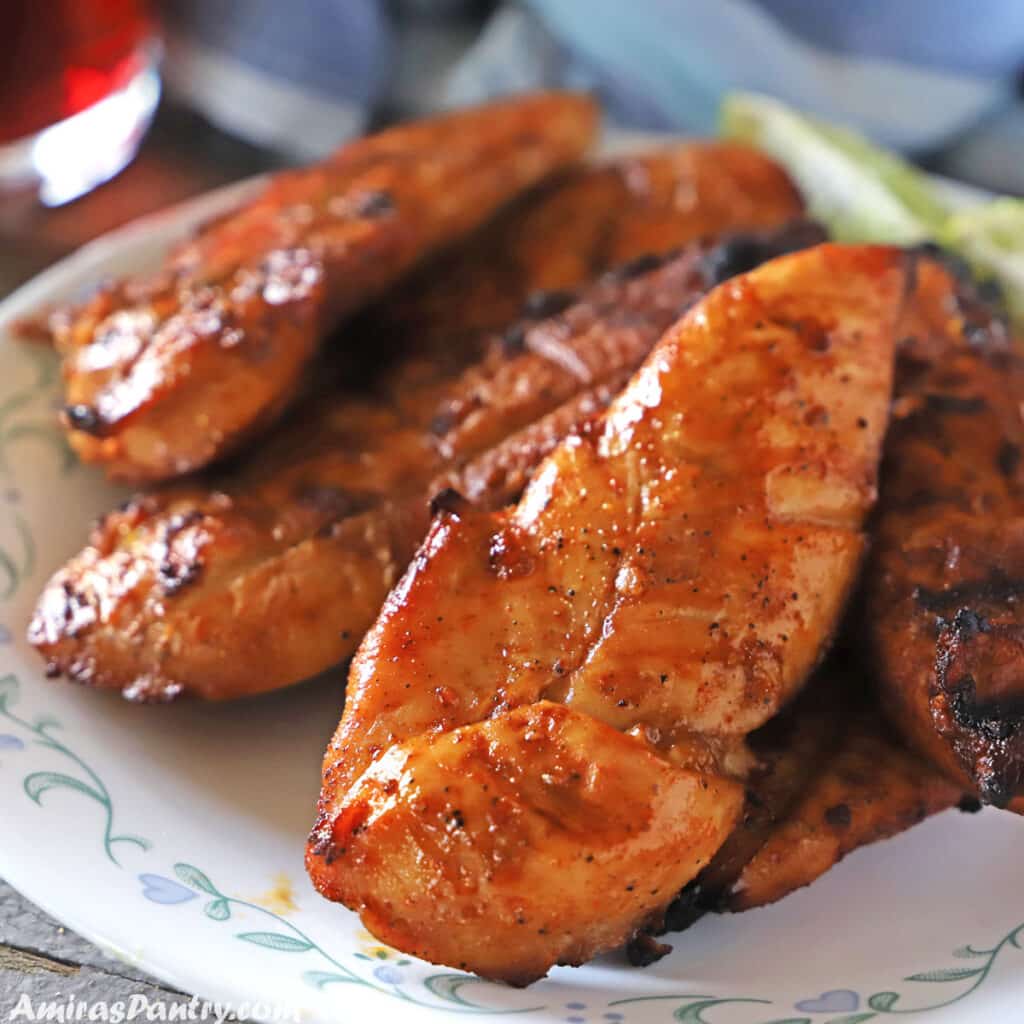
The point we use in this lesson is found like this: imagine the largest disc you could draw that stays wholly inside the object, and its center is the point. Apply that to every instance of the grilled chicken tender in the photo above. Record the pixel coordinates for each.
(869, 788)
(272, 573)
(831, 777)
(543, 736)
(945, 594)
(166, 372)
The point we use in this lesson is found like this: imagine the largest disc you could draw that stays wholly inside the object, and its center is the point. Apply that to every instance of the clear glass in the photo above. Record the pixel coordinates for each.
(78, 88)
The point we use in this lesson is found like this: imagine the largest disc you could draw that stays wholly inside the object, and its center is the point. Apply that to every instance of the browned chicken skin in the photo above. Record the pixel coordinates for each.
(166, 372)
(830, 777)
(945, 607)
(272, 573)
(552, 706)
(868, 788)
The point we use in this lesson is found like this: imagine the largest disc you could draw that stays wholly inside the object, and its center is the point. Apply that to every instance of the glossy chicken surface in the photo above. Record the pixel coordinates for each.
(945, 609)
(587, 664)
(272, 573)
(165, 372)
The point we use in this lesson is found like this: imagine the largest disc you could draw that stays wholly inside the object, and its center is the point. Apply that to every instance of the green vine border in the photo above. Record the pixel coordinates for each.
(446, 989)
(692, 1008)
(41, 732)
(19, 423)
(290, 938)
(689, 1008)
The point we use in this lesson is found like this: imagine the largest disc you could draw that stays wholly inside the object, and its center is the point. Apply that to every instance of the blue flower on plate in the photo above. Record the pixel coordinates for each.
(388, 974)
(165, 890)
(12, 495)
(9, 742)
(5, 635)
(838, 1000)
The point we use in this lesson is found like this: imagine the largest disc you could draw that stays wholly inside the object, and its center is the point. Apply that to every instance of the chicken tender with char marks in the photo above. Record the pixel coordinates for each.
(167, 372)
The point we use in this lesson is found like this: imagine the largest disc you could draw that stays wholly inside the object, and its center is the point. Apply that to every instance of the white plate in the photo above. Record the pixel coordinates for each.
(172, 836)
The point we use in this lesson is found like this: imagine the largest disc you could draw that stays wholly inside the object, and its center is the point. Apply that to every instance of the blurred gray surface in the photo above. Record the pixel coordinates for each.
(43, 959)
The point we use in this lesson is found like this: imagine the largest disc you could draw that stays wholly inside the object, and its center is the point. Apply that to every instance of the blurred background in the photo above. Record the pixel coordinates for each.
(114, 108)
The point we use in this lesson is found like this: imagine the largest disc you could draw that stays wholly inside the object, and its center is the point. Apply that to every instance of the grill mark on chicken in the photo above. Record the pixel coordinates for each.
(945, 616)
(741, 254)
(959, 405)
(181, 564)
(498, 476)
(374, 204)
(330, 500)
(540, 305)
(85, 418)
(447, 501)
(999, 721)
(643, 264)
(1008, 458)
(996, 587)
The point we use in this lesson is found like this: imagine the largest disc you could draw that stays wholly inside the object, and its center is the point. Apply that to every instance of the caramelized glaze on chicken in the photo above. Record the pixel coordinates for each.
(272, 573)
(543, 736)
(946, 586)
(164, 373)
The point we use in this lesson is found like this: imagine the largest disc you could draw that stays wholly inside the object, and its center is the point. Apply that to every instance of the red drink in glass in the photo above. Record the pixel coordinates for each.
(78, 87)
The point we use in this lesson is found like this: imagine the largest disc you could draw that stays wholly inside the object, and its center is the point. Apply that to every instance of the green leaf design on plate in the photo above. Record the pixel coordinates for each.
(963, 952)
(17, 566)
(321, 979)
(10, 573)
(218, 910)
(446, 987)
(22, 421)
(693, 1013)
(50, 437)
(883, 1001)
(275, 940)
(945, 974)
(197, 879)
(38, 783)
(87, 783)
